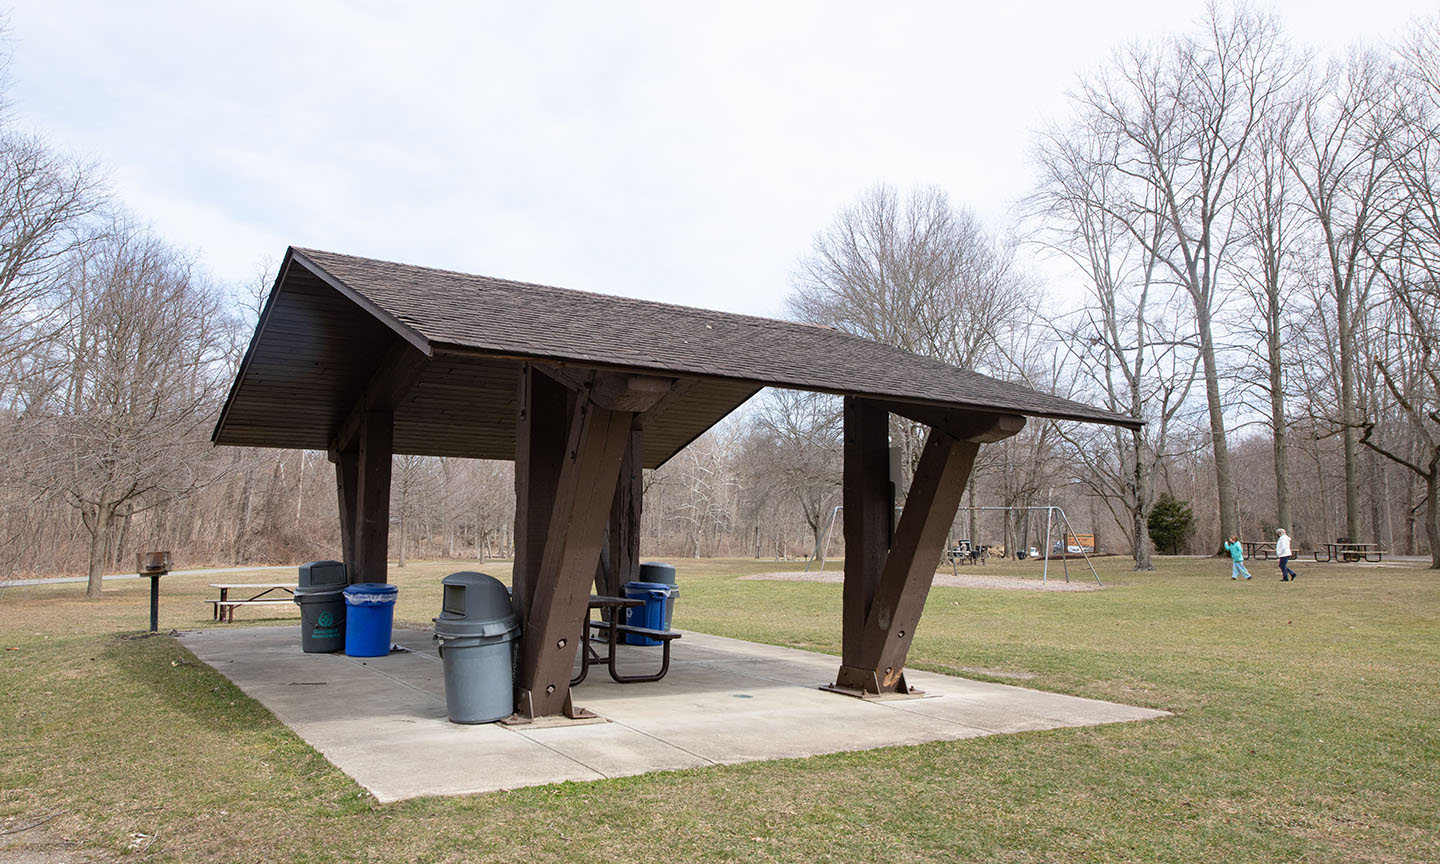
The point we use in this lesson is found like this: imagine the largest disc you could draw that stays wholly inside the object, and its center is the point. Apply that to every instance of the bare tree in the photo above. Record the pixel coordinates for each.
(914, 273)
(1182, 118)
(1264, 269)
(45, 201)
(1127, 341)
(1338, 163)
(1411, 371)
(144, 352)
(793, 453)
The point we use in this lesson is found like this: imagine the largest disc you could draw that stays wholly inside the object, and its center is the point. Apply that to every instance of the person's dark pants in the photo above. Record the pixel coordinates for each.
(1285, 572)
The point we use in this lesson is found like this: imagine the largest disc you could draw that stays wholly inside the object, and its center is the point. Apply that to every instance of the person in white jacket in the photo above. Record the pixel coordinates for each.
(1282, 551)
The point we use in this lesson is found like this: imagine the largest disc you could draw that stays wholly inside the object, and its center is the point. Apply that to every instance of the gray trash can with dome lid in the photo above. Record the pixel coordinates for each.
(476, 632)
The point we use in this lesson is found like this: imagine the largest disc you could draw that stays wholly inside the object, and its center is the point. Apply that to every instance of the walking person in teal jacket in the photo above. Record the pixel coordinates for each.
(1237, 558)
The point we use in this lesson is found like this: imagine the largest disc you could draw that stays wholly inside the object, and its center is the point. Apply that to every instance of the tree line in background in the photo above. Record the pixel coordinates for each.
(1250, 239)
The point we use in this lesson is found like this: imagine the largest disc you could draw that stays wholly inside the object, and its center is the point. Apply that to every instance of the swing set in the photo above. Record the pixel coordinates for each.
(1054, 517)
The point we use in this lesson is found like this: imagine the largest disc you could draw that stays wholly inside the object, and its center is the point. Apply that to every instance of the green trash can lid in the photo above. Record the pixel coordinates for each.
(330, 574)
(657, 571)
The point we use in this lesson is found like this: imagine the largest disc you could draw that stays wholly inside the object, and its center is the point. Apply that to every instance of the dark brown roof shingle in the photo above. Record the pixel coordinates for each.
(499, 316)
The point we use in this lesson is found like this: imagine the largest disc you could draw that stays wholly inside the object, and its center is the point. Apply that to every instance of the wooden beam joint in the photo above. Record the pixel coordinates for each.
(395, 376)
(975, 427)
(613, 391)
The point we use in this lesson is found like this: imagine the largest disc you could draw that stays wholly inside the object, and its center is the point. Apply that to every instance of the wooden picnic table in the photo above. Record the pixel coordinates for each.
(613, 629)
(1258, 549)
(224, 608)
(1350, 552)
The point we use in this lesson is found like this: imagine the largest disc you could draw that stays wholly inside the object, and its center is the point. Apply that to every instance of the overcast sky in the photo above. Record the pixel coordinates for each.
(676, 151)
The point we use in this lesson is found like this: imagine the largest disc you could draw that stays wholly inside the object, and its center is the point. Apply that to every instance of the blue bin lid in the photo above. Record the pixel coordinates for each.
(655, 587)
(370, 592)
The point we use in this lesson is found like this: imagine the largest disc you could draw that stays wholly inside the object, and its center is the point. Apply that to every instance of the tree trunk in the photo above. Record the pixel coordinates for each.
(299, 488)
(1279, 444)
(1141, 511)
(1376, 477)
(1224, 482)
(1432, 509)
(99, 535)
(1350, 435)
(122, 537)
(1410, 510)
(242, 526)
(404, 534)
(974, 514)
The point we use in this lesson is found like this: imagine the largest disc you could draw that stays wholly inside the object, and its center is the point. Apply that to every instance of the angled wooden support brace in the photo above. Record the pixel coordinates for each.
(877, 643)
(584, 491)
(620, 557)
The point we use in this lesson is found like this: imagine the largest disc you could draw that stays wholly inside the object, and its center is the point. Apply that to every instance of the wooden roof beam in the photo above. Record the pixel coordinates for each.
(393, 379)
(976, 427)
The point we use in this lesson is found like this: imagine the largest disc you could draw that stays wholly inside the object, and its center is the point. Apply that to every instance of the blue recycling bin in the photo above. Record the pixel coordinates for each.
(654, 614)
(369, 614)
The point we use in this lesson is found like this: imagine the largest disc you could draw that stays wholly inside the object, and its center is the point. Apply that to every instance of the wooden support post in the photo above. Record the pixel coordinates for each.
(372, 497)
(866, 498)
(347, 485)
(361, 449)
(586, 469)
(561, 593)
(876, 640)
(540, 436)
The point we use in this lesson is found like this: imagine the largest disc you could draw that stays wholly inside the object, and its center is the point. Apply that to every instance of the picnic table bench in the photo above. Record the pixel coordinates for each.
(967, 554)
(224, 608)
(1350, 552)
(612, 631)
(1258, 549)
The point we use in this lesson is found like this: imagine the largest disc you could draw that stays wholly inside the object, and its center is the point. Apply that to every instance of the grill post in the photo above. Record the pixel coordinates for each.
(153, 565)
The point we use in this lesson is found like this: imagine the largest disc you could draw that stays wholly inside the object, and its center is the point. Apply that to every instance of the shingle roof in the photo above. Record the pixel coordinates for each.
(524, 319)
(330, 320)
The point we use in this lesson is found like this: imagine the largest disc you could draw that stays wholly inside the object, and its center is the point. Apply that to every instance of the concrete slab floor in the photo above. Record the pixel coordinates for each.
(724, 701)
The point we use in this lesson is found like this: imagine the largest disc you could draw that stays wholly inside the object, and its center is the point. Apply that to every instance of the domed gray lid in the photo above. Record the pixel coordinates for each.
(475, 604)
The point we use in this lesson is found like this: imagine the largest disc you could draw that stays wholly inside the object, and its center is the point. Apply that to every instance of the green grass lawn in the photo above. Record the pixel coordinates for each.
(1306, 728)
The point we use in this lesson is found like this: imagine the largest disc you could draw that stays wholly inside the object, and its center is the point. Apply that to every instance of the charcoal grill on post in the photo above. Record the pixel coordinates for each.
(154, 565)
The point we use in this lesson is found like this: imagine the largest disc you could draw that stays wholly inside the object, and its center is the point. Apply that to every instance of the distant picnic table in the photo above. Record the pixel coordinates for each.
(1258, 549)
(1350, 552)
(224, 608)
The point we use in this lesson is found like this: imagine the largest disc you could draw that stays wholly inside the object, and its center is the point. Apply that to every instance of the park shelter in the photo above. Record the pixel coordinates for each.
(365, 359)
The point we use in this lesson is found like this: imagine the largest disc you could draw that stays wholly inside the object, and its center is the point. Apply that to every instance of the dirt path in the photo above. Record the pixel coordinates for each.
(1005, 583)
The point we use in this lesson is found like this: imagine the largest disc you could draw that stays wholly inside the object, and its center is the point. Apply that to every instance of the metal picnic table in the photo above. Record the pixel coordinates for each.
(1350, 552)
(225, 607)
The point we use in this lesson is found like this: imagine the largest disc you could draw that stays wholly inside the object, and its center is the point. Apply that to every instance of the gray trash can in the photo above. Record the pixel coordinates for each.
(657, 571)
(476, 631)
(321, 598)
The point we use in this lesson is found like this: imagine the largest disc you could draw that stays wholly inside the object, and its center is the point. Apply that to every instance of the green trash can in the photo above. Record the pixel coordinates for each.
(320, 595)
(657, 571)
(322, 619)
(476, 632)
